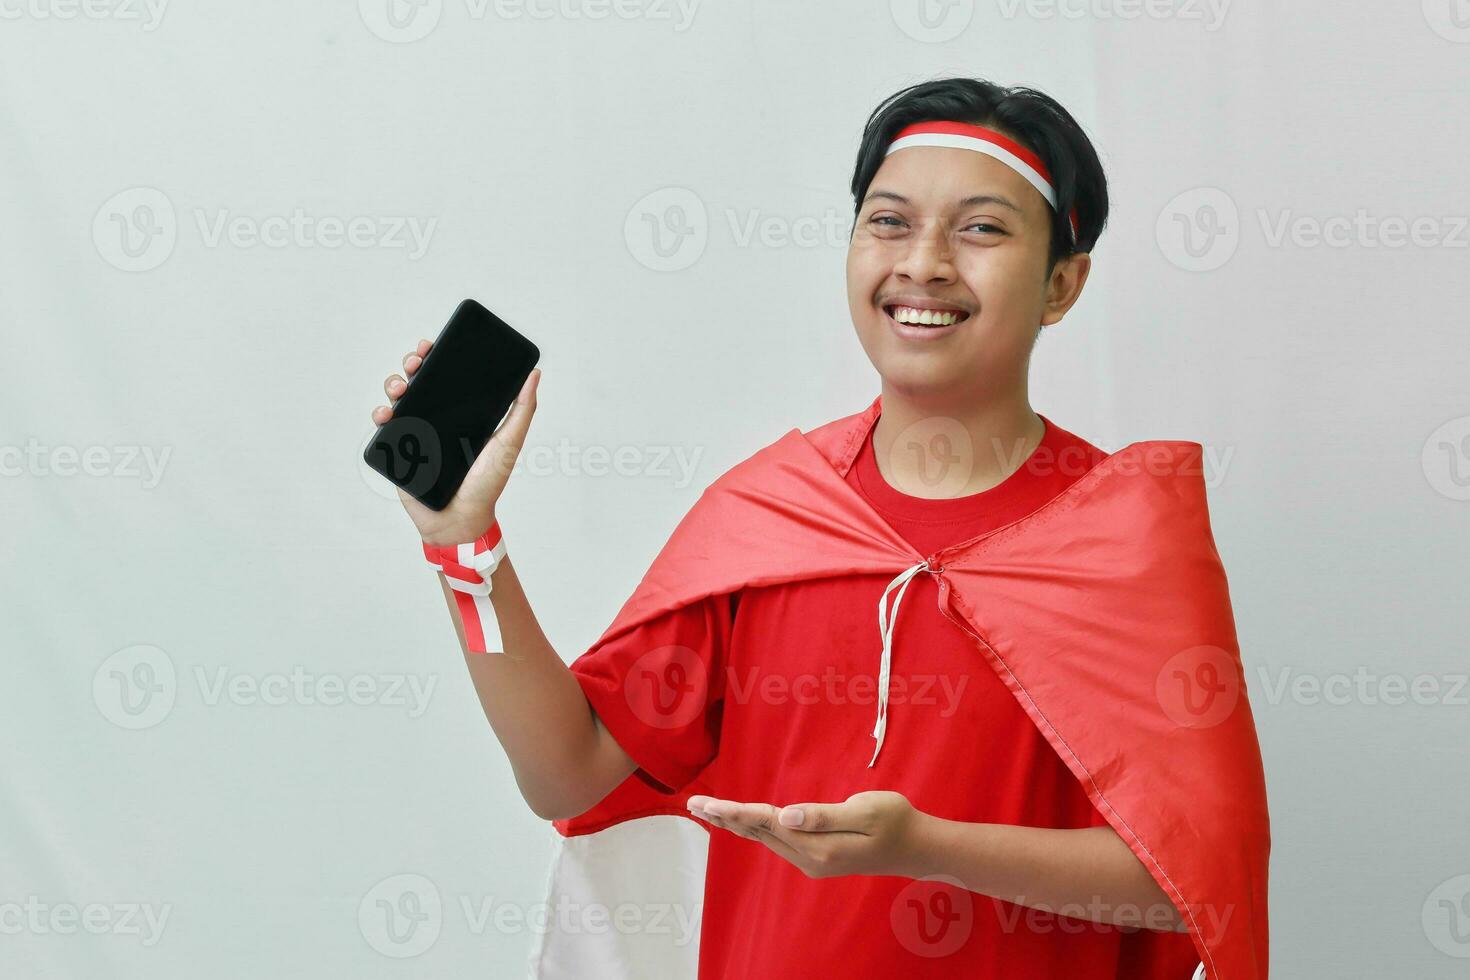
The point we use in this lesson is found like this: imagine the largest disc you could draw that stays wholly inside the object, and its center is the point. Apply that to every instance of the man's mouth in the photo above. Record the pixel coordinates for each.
(926, 317)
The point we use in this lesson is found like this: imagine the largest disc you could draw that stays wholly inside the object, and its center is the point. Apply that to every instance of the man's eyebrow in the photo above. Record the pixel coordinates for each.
(973, 200)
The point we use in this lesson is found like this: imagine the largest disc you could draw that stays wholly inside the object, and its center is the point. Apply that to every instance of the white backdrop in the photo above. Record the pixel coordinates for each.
(233, 710)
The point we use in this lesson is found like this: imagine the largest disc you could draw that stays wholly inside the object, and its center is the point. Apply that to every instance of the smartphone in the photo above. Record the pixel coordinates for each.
(452, 405)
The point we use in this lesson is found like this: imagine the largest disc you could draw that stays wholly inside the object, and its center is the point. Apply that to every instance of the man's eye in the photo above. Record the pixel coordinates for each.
(985, 227)
(883, 218)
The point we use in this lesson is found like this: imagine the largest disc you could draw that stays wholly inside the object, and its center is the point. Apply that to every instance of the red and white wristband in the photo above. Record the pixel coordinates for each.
(467, 568)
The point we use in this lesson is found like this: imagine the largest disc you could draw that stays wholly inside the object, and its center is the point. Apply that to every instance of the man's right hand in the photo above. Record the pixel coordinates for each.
(472, 509)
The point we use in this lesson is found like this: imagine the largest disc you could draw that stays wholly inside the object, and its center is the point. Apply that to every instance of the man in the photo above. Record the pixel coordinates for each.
(982, 789)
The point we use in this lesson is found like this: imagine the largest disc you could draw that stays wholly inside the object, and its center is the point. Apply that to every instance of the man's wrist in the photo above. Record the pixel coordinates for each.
(921, 845)
(935, 842)
(451, 537)
(468, 568)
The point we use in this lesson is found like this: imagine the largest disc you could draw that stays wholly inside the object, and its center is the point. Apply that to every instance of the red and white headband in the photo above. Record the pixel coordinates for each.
(967, 136)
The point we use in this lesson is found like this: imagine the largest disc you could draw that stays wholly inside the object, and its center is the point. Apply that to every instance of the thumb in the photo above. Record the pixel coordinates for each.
(499, 454)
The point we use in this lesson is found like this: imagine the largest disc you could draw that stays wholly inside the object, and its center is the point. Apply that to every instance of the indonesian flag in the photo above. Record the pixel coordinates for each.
(1119, 572)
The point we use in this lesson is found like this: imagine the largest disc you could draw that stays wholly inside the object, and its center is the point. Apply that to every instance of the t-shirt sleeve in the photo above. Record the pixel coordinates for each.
(659, 688)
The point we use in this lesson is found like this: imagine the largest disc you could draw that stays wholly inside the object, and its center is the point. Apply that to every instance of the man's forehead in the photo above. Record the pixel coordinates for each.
(945, 177)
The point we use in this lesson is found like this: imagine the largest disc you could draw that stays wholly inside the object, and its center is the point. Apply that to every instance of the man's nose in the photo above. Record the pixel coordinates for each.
(929, 256)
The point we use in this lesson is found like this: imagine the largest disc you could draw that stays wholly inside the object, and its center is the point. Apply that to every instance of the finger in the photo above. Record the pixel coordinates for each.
(818, 818)
(708, 818)
(524, 406)
(732, 817)
(741, 820)
(755, 818)
(505, 445)
(382, 414)
(415, 358)
(393, 386)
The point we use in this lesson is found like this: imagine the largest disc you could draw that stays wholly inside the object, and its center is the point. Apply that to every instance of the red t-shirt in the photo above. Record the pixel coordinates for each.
(788, 716)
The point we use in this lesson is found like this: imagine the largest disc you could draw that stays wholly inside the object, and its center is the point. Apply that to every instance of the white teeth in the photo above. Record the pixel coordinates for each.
(909, 314)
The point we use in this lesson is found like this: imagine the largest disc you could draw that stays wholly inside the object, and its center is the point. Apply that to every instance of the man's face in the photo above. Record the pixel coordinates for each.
(956, 230)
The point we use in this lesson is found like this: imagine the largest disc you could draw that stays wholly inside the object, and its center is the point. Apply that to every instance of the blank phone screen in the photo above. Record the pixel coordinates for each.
(452, 405)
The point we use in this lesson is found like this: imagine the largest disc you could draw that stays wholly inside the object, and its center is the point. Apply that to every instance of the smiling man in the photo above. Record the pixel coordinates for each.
(1046, 767)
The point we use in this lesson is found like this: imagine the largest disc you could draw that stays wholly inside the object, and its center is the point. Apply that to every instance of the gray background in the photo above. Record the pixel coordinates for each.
(155, 760)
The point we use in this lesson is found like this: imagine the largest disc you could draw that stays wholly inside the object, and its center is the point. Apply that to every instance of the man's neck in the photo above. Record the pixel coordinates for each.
(942, 446)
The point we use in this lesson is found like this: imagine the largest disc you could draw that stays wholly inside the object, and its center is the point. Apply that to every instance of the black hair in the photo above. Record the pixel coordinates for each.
(1031, 118)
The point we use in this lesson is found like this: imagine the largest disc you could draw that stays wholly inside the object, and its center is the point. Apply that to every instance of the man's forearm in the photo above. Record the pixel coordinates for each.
(1087, 873)
(564, 760)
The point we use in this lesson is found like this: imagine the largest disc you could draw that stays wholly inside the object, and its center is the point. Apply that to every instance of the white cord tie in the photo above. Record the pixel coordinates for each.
(885, 630)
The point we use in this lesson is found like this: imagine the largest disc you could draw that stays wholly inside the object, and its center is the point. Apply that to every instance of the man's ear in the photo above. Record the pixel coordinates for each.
(1065, 286)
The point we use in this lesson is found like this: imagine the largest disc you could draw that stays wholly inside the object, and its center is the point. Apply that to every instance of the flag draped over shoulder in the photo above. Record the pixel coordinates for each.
(1105, 612)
